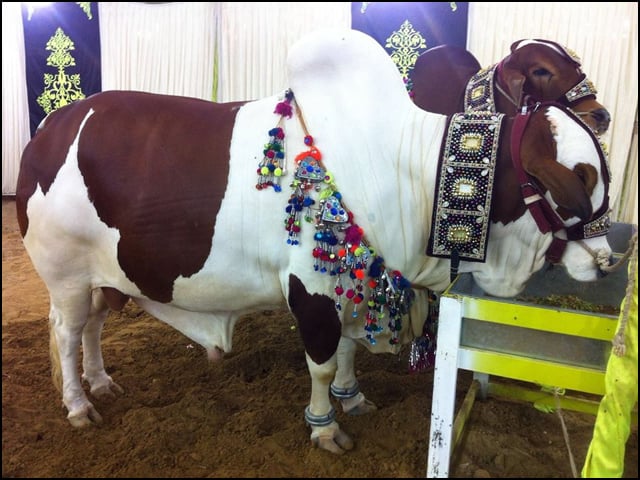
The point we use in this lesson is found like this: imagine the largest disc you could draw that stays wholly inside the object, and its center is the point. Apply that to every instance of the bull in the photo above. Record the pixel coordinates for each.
(152, 198)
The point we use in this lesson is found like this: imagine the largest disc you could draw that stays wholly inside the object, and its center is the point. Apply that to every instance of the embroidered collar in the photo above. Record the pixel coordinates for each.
(465, 185)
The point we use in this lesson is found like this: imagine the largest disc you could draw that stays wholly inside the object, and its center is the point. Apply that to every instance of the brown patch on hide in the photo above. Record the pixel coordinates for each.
(156, 169)
(318, 320)
(45, 154)
(115, 298)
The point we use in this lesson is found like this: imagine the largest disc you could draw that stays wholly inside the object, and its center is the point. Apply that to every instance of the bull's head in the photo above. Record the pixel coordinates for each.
(562, 177)
(540, 70)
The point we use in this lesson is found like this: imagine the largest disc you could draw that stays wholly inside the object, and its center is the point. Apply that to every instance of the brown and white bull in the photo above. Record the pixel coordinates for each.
(129, 195)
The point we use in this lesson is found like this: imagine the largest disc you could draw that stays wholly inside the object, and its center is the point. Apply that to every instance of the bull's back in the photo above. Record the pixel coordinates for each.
(153, 167)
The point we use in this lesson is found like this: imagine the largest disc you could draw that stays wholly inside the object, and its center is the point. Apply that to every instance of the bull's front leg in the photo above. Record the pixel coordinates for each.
(345, 385)
(320, 414)
(321, 330)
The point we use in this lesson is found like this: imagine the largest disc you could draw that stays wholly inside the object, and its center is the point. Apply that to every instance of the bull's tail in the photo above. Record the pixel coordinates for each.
(54, 356)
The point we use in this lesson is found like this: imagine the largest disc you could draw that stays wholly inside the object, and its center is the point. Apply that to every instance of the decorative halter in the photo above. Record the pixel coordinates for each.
(543, 213)
(582, 89)
(479, 92)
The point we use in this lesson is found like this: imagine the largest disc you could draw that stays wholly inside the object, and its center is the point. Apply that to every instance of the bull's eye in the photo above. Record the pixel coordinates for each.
(541, 72)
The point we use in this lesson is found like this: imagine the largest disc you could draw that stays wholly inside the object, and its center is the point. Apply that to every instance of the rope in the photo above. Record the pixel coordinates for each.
(602, 258)
(618, 339)
(565, 433)
(301, 118)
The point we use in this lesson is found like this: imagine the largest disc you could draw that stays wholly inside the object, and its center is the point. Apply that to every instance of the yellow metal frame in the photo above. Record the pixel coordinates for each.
(547, 319)
(540, 318)
(455, 309)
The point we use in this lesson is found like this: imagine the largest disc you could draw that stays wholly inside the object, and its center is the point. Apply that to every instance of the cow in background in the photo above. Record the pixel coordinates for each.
(152, 198)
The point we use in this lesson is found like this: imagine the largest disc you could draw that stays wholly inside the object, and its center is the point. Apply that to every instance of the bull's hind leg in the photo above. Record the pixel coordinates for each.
(102, 385)
(345, 385)
(67, 317)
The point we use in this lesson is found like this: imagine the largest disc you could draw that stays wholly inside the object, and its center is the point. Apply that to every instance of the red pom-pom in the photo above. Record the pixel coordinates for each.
(284, 109)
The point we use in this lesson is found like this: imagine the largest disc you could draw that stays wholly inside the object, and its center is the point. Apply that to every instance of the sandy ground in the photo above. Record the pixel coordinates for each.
(183, 417)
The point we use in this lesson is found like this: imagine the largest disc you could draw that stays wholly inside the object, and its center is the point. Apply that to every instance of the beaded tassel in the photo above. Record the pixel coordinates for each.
(271, 168)
(340, 248)
(422, 355)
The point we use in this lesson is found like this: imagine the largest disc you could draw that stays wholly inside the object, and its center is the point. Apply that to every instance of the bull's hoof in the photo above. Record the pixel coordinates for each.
(108, 391)
(102, 386)
(358, 405)
(85, 417)
(362, 408)
(337, 443)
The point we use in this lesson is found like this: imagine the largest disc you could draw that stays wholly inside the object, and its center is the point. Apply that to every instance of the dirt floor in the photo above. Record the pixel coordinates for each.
(183, 417)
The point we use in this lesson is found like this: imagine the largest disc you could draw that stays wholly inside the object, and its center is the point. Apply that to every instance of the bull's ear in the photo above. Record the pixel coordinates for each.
(513, 76)
(515, 45)
(566, 188)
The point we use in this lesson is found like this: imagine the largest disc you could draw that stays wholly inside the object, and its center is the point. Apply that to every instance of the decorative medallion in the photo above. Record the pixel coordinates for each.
(584, 88)
(478, 94)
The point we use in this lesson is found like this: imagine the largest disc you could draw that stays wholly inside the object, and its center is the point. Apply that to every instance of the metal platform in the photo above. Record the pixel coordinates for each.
(521, 340)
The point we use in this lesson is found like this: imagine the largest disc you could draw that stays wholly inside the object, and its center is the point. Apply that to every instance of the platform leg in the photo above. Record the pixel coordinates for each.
(483, 380)
(444, 388)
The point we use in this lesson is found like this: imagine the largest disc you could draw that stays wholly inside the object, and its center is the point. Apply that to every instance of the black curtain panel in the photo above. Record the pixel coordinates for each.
(406, 29)
(62, 50)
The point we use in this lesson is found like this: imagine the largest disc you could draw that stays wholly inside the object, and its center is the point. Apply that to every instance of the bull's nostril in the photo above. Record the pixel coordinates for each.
(601, 116)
